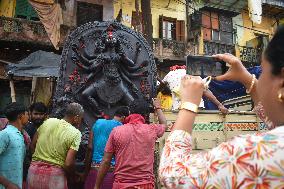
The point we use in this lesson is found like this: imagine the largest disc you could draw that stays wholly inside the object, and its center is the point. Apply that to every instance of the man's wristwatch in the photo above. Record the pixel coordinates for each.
(189, 106)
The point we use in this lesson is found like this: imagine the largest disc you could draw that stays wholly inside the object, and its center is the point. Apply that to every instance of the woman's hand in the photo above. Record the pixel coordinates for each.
(237, 71)
(191, 89)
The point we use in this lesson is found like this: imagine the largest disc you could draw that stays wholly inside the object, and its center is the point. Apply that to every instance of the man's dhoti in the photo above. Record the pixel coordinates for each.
(46, 176)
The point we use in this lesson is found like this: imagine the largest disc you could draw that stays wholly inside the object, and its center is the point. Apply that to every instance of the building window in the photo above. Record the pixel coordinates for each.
(87, 12)
(168, 29)
(135, 21)
(217, 27)
(171, 28)
(25, 10)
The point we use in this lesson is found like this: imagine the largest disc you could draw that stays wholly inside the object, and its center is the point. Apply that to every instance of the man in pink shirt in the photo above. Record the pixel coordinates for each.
(133, 146)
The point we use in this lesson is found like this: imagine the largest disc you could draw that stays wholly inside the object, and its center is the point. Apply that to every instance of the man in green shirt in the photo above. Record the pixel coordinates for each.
(55, 145)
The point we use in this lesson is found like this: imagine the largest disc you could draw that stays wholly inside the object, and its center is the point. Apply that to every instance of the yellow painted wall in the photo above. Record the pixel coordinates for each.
(127, 7)
(7, 8)
(266, 28)
(175, 9)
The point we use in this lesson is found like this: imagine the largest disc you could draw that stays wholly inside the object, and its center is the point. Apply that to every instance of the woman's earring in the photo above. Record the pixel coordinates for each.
(280, 96)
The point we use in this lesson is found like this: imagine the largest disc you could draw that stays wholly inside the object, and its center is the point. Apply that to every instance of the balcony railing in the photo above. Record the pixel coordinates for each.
(176, 50)
(22, 30)
(211, 48)
(15, 29)
(250, 56)
(169, 49)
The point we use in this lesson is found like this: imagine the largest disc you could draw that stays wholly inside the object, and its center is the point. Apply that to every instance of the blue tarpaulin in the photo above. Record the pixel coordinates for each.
(225, 90)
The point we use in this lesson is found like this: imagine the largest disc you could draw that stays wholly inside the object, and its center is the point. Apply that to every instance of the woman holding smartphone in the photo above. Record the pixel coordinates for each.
(247, 161)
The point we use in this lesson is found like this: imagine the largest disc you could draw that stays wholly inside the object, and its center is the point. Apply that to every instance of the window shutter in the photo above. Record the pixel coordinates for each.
(21, 8)
(32, 14)
(180, 30)
(25, 10)
(161, 26)
(226, 27)
(207, 34)
(206, 21)
(177, 30)
(215, 21)
(226, 23)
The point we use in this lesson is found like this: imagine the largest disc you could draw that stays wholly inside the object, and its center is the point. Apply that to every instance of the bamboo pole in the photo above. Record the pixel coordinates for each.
(13, 93)
(34, 81)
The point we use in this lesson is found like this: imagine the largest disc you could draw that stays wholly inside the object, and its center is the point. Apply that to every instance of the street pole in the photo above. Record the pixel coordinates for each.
(147, 21)
(187, 19)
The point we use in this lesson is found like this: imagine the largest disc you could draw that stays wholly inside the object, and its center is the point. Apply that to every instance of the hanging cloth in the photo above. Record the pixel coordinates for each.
(255, 10)
(50, 15)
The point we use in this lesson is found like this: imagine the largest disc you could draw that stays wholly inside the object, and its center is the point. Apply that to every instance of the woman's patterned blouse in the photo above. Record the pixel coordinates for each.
(247, 161)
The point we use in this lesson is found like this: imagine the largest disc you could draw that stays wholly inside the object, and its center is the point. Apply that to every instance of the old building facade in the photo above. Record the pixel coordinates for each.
(206, 28)
(202, 28)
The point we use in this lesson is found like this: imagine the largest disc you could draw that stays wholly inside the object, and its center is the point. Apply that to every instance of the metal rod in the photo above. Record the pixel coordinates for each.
(5, 62)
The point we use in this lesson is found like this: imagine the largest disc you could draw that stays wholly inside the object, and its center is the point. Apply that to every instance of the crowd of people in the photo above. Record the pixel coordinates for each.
(37, 152)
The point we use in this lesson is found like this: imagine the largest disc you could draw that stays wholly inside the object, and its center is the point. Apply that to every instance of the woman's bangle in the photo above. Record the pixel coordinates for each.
(189, 106)
(251, 85)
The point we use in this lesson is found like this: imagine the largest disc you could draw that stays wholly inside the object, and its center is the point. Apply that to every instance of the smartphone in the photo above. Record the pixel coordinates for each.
(205, 66)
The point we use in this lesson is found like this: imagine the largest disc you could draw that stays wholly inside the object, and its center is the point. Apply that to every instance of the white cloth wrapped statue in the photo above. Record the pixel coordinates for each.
(173, 78)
